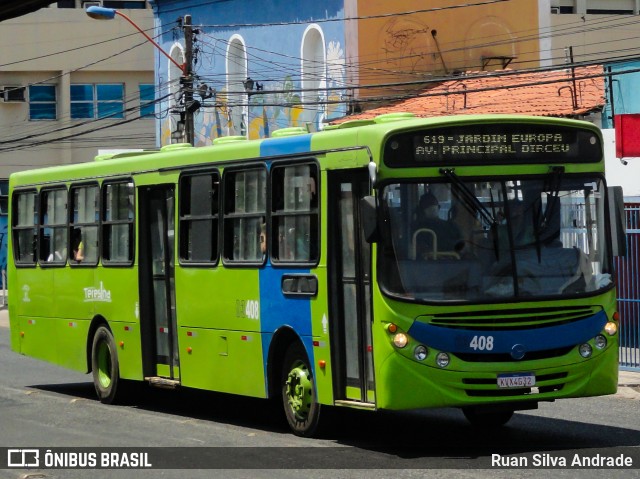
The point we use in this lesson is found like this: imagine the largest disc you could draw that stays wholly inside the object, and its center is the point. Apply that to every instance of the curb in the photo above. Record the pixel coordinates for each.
(628, 392)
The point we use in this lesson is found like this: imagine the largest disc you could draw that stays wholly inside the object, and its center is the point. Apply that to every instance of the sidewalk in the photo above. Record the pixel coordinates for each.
(629, 384)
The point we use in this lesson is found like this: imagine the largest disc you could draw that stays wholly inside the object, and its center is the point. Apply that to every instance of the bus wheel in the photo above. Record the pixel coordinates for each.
(104, 365)
(491, 418)
(298, 393)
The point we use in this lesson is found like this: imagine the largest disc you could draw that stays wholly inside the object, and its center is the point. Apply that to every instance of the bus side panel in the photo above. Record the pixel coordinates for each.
(218, 314)
(70, 342)
(320, 332)
(222, 360)
(33, 291)
(115, 297)
(218, 298)
(37, 335)
(69, 290)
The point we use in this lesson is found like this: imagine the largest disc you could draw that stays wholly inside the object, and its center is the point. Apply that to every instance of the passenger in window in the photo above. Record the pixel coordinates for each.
(447, 233)
(78, 245)
(60, 250)
(263, 239)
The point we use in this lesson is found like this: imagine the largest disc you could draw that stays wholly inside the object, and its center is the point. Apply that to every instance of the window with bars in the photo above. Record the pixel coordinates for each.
(97, 101)
(42, 102)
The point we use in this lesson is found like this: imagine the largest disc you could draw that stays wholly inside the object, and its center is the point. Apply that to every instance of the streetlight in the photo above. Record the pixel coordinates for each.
(191, 105)
(103, 13)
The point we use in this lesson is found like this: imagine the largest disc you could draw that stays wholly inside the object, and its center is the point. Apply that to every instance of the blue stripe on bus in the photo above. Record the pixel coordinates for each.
(277, 311)
(286, 145)
(513, 342)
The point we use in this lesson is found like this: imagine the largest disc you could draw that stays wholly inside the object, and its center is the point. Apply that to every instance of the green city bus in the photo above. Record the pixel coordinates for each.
(302, 267)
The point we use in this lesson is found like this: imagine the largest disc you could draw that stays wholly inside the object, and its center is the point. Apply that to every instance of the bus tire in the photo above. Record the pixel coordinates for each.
(483, 418)
(105, 367)
(298, 392)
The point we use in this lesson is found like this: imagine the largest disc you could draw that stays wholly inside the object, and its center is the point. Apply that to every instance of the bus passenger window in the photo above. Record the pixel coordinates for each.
(245, 212)
(199, 218)
(53, 226)
(294, 213)
(25, 220)
(84, 224)
(117, 222)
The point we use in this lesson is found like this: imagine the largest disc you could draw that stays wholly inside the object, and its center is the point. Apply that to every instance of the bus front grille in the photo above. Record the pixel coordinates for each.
(506, 358)
(511, 319)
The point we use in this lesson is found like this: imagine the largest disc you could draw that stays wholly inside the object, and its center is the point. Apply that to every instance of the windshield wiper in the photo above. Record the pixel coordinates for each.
(473, 204)
(468, 197)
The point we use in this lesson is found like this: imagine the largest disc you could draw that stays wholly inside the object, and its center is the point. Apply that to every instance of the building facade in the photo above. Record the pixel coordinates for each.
(71, 86)
(323, 60)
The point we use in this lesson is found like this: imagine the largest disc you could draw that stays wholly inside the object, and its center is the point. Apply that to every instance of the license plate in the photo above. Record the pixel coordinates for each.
(518, 380)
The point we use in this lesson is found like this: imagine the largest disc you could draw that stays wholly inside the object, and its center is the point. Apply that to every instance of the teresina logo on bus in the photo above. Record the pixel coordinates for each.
(92, 294)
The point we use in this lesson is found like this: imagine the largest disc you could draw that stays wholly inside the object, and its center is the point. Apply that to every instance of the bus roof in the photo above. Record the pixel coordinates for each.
(290, 141)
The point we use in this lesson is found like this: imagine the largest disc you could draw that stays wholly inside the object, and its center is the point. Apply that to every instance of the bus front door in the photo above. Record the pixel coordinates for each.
(350, 273)
(158, 326)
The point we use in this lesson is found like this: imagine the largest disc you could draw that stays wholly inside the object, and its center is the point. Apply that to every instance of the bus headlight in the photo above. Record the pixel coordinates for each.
(585, 350)
(420, 353)
(442, 360)
(611, 328)
(400, 340)
(600, 341)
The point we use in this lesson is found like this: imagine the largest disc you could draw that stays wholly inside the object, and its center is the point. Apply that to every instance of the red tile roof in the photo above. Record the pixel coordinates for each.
(546, 93)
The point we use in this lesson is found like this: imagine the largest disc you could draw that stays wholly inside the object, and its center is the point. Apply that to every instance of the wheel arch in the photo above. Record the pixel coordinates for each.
(96, 322)
(282, 339)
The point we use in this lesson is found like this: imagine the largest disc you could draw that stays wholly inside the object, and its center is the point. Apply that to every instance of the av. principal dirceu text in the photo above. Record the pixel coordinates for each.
(574, 460)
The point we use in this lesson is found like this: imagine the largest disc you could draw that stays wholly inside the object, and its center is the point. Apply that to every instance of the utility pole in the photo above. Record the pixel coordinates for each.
(190, 107)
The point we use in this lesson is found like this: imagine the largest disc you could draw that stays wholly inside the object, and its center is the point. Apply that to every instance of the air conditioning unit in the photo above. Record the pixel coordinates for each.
(13, 93)
(555, 10)
(87, 4)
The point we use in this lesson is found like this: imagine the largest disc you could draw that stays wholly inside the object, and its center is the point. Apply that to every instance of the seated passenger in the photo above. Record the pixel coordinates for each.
(447, 233)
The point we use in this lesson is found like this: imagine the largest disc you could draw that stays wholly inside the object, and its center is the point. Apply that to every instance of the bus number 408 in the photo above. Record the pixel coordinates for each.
(481, 343)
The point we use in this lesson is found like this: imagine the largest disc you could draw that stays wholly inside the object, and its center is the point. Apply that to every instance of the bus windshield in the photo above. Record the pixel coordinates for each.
(494, 240)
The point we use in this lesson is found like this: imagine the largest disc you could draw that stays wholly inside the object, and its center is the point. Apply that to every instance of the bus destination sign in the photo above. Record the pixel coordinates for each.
(493, 144)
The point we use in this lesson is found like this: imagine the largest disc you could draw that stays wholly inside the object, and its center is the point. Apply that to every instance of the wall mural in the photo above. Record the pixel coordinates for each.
(266, 111)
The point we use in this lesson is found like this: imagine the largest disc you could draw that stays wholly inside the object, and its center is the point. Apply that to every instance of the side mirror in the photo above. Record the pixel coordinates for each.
(618, 221)
(369, 218)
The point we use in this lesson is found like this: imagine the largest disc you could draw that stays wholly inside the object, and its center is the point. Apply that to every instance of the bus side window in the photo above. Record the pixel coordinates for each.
(85, 214)
(117, 222)
(245, 211)
(53, 226)
(25, 221)
(199, 218)
(294, 213)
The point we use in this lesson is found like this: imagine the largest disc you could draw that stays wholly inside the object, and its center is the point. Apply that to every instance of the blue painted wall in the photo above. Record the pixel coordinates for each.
(273, 43)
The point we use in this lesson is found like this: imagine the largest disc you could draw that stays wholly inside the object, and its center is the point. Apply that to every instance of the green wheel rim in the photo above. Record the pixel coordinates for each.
(299, 391)
(104, 365)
